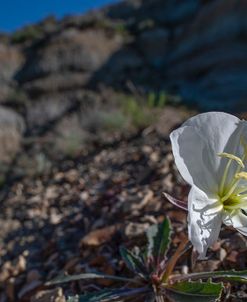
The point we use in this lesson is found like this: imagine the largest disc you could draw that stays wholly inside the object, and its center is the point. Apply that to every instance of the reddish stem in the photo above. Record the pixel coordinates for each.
(172, 262)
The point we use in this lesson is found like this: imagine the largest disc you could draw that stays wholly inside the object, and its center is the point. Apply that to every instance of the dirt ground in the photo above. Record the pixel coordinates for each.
(74, 219)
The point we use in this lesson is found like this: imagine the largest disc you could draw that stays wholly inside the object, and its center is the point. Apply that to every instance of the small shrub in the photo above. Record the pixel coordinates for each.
(70, 144)
(26, 34)
(138, 112)
(114, 120)
(153, 278)
(157, 99)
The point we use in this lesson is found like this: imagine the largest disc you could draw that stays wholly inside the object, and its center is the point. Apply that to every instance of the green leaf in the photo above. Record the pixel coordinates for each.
(133, 262)
(237, 276)
(106, 295)
(159, 240)
(68, 278)
(189, 291)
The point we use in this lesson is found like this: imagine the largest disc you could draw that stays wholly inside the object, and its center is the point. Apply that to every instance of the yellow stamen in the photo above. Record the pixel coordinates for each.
(241, 175)
(233, 157)
(229, 193)
(223, 180)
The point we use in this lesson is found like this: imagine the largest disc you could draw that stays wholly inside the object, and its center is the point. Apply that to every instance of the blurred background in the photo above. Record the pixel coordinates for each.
(89, 92)
(61, 70)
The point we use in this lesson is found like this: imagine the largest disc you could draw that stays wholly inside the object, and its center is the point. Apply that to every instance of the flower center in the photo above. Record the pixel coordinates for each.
(231, 193)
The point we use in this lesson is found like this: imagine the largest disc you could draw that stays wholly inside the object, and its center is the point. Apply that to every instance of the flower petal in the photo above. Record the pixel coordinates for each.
(222, 132)
(205, 219)
(190, 154)
(196, 144)
(238, 220)
(215, 127)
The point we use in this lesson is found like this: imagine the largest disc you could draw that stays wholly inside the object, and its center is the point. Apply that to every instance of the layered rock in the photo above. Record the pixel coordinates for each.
(10, 61)
(12, 127)
(71, 50)
(208, 62)
(195, 49)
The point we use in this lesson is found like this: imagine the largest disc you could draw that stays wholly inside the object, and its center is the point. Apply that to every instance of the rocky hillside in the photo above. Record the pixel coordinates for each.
(86, 107)
(196, 50)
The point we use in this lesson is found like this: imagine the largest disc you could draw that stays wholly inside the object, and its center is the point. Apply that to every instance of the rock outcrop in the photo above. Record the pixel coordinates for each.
(195, 49)
(208, 62)
(12, 127)
(10, 61)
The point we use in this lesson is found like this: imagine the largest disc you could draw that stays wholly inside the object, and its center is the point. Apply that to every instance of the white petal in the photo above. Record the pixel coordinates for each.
(196, 144)
(190, 154)
(238, 220)
(204, 220)
(216, 128)
(222, 133)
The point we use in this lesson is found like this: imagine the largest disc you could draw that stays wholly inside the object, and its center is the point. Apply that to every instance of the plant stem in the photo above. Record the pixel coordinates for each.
(160, 298)
(172, 262)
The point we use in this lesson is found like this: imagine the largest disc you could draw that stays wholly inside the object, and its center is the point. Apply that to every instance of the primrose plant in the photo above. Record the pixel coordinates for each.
(153, 279)
(210, 152)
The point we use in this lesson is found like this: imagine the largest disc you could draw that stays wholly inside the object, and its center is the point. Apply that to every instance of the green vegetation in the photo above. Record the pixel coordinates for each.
(140, 109)
(153, 278)
(127, 111)
(137, 112)
(121, 29)
(117, 27)
(124, 113)
(146, 24)
(70, 144)
(27, 33)
(157, 99)
(113, 120)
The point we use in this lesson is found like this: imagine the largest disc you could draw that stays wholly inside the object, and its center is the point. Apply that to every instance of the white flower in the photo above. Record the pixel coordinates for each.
(210, 151)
